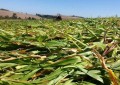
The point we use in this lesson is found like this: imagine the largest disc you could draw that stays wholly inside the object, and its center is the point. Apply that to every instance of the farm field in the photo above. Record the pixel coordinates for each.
(67, 52)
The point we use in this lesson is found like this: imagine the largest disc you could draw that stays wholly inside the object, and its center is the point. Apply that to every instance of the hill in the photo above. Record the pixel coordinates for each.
(4, 13)
(7, 13)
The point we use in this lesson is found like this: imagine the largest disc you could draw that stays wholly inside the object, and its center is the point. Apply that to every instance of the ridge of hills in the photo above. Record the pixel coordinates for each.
(7, 13)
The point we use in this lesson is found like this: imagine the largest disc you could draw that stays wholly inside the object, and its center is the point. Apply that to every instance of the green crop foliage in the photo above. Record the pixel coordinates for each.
(47, 52)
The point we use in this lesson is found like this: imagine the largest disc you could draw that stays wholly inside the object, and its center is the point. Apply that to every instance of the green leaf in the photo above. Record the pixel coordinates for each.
(21, 66)
(29, 75)
(86, 53)
(116, 65)
(54, 43)
(94, 74)
(114, 54)
(5, 38)
(7, 65)
(100, 45)
(58, 80)
(6, 32)
(51, 76)
(69, 82)
(67, 61)
(81, 67)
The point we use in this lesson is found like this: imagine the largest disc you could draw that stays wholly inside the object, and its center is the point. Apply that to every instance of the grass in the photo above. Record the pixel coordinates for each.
(68, 52)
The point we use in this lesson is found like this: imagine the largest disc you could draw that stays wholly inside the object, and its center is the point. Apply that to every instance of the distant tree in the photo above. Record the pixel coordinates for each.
(7, 17)
(58, 18)
(29, 18)
(38, 14)
(33, 18)
(14, 16)
(73, 16)
(19, 18)
(1, 17)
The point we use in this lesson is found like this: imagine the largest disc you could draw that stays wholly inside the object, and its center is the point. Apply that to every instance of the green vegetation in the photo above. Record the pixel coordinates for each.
(71, 52)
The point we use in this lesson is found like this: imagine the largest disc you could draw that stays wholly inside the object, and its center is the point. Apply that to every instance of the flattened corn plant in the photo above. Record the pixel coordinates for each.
(68, 52)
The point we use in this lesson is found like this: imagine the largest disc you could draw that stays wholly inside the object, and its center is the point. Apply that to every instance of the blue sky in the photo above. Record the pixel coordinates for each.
(85, 8)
